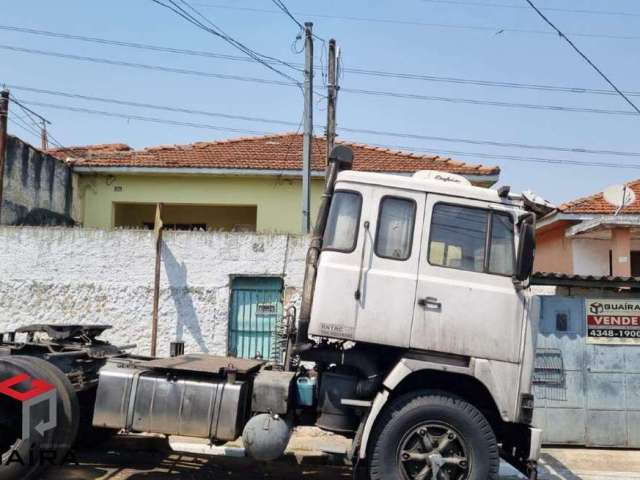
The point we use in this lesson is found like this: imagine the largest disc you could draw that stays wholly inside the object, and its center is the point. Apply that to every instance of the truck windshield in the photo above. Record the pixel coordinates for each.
(341, 233)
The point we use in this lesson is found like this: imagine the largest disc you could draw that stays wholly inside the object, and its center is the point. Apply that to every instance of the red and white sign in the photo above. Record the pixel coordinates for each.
(613, 321)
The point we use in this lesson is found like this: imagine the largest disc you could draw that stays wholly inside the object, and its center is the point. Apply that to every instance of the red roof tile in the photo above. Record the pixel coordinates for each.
(596, 204)
(270, 152)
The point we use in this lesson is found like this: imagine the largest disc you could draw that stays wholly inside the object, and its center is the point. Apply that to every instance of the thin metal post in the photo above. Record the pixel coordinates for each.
(307, 146)
(4, 116)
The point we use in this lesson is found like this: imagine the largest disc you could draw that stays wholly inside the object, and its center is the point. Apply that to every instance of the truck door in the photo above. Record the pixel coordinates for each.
(385, 293)
(466, 301)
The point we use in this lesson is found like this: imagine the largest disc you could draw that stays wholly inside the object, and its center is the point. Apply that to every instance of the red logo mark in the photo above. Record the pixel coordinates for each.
(38, 387)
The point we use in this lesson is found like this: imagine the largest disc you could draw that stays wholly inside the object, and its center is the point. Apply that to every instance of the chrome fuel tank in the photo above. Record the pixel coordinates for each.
(139, 399)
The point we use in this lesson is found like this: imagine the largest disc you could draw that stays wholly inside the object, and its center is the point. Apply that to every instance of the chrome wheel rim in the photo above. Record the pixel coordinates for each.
(434, 451)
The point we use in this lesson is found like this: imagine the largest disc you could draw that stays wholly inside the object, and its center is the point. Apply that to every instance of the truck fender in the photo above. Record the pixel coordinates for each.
(400, 371)
(473, 368)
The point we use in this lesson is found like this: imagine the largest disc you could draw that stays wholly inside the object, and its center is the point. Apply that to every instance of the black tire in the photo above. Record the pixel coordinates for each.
(68, 405)
(16, 453)
(400, 448)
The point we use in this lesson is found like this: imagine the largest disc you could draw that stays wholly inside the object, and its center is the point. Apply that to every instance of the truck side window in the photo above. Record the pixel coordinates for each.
(501, 253)
(341, 232)
(395, 228)
(458, 237)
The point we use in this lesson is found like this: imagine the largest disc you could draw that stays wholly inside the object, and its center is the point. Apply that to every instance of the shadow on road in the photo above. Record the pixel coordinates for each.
(551, 468)
(129, 464)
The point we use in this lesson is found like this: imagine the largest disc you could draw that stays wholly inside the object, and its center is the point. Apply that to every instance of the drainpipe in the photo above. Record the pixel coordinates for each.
(340, 158)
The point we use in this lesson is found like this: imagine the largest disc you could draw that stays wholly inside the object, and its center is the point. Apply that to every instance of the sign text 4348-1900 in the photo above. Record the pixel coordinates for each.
(610, 333)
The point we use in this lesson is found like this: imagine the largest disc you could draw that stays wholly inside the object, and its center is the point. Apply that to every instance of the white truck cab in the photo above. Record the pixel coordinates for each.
(434, 270)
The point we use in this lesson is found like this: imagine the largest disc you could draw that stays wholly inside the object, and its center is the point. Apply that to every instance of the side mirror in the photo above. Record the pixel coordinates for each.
(526, 250)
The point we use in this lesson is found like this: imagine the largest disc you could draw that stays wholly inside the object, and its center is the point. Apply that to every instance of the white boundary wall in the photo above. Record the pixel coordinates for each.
(73, 275)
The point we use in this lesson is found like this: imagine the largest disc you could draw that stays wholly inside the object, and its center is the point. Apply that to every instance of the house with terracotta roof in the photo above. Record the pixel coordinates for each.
(595, 235)
(243, 184)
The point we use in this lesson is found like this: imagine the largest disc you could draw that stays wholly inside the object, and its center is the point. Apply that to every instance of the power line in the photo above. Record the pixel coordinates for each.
(593, 65)
(523, 7)
(283, 7)
(146, 119)
(344, 129)
(483, 83)
(218, 32)
(516, 158)
(147, 67)
(417, 149)
(152, 106)
(411, 96)
(492, 103)
(484, 28)
(354, 70)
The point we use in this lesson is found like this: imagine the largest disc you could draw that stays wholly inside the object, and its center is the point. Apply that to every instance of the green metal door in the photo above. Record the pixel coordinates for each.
(256, 310)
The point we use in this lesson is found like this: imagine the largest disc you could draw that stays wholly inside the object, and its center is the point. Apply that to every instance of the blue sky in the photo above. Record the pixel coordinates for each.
(482, 54)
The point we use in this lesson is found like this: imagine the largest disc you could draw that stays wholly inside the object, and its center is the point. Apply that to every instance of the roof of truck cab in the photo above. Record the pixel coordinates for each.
(425, 185)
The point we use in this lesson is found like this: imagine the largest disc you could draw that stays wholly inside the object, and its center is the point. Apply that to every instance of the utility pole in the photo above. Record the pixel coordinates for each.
(4, 117)
(44, 138)
(307, 144)
(332, 94)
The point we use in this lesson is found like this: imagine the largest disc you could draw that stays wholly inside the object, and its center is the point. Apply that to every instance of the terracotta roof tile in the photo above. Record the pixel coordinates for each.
(596, 204)
(272, 152)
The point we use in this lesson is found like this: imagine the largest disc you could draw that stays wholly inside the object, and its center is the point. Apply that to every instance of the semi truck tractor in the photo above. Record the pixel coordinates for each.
(415, 337)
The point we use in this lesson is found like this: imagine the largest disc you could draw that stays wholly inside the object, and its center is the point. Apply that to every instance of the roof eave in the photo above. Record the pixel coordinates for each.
(485, 180)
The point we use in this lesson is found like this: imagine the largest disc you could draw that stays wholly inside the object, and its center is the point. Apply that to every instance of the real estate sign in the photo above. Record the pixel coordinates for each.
(613, 321)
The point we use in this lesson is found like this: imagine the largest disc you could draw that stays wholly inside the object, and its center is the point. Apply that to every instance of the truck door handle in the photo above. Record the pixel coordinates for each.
(430, 302)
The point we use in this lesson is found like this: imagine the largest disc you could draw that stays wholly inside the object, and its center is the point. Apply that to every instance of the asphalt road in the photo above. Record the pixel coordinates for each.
(150, 459)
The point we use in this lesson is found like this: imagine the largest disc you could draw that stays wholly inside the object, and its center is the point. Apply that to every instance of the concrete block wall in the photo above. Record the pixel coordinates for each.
(38, 188)
(74, 275)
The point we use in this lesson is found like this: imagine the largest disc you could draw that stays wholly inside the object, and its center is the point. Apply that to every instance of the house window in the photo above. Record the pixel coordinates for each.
(395, 228)
(562, 322)
(461, 236)
(341, 233)
(225, 218)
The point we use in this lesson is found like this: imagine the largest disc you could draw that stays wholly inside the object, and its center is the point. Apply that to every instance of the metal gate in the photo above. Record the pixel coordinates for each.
(585, 394)
(256, 310)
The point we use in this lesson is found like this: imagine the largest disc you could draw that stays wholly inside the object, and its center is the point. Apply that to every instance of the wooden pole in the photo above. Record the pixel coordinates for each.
(157, 228)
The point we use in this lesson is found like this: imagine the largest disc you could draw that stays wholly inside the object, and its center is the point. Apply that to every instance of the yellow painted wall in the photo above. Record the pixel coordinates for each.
(278, 200)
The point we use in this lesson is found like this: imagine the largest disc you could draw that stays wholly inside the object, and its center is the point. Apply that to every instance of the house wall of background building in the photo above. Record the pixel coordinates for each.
(73, 275)
(553, 250)
(38, 189)
(278, 199)
(591, 256)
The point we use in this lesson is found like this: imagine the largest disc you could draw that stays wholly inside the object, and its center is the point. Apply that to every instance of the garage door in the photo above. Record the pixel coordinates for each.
(585, 394)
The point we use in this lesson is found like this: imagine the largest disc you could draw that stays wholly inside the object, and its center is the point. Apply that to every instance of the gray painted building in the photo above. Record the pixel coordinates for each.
(38, 189)
(586, 393)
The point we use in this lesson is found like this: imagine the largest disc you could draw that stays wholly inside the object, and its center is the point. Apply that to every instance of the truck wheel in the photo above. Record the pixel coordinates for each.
(432, 435)
(68, 405)
(20, 457)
